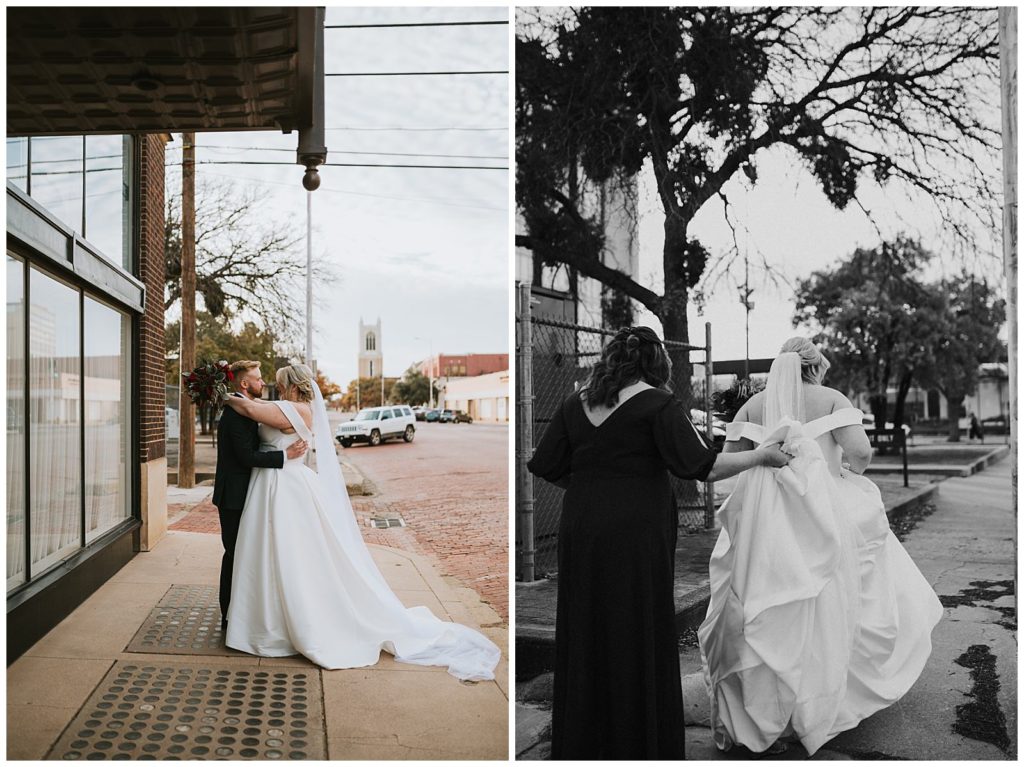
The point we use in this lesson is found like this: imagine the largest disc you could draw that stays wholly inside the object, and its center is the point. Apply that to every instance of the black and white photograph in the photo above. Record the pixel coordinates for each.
(765, 329)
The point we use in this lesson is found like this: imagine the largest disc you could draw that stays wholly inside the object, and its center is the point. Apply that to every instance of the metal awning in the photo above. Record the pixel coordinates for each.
(78, 70)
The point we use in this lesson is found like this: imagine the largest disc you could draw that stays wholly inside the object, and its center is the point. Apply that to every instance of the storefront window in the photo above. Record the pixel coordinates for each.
(106, 418)
(15, 422)
(55, 460)
(17, 162)
(107, 185)
(84, 182)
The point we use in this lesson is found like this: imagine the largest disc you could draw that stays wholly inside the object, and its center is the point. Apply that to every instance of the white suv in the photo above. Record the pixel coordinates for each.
(373, 425)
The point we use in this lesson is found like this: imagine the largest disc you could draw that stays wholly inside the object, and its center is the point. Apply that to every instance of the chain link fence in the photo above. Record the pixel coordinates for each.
(554, 358)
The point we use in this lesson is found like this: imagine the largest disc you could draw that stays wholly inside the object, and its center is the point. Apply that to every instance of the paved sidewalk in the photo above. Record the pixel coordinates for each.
(964, 705)
(387, 711)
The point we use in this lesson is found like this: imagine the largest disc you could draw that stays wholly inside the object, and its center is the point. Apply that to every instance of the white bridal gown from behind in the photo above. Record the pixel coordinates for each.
(304, 581)
(818, 616)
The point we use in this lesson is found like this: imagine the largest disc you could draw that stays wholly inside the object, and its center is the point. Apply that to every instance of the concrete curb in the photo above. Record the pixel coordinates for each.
(960, 470)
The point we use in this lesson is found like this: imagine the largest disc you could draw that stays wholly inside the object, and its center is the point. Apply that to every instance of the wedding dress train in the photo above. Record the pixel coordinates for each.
(304, 581)
(818, 616)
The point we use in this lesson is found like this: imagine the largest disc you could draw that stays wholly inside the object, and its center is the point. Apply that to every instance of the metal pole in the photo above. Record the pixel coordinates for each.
(524, 445)
(709, 487)
(1008, 80)
(309, 279)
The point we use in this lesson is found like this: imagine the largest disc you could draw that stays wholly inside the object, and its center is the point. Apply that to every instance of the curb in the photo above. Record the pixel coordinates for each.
(962, 470)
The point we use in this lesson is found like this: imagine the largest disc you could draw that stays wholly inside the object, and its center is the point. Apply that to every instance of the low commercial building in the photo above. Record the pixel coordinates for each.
(485, 397)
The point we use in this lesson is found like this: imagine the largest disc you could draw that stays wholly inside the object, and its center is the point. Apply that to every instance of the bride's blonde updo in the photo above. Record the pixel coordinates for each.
(298, 376)
(813, 363)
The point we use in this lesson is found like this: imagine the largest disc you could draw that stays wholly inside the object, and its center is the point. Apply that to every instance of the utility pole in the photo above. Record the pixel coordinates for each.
(1008, 83)
(187, 358)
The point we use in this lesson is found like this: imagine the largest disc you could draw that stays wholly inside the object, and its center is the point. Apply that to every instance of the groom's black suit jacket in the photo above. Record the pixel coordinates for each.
(238, 452)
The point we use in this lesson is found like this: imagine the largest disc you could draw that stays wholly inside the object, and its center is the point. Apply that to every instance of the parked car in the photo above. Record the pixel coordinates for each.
(374, 425)
(432, 415)
(446, 416)
(420, 412)
(171, 426)
(461, 417)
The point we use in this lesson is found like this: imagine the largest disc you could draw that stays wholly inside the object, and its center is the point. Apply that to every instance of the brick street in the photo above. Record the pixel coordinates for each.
(450, 485)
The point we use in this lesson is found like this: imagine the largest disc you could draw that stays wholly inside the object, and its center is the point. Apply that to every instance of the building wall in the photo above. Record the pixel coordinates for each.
(151, 399)
(485, 397)
(461, 365)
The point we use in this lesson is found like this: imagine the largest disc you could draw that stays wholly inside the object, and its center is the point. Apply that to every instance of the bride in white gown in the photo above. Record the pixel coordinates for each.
(818, 617)
(303, 579)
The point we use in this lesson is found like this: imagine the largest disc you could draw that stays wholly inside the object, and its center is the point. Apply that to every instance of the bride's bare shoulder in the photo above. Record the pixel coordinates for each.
(834, 398)
(752, 409)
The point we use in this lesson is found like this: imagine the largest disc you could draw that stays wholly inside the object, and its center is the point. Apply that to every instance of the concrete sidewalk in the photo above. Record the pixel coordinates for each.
(387, 711)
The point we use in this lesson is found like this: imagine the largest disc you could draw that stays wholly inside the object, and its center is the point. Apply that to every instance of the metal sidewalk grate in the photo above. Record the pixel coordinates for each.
(186, 621)
(386, 522)
(181, 711)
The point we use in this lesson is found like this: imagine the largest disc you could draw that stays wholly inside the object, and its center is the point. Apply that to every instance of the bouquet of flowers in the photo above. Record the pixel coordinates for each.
(208, 382)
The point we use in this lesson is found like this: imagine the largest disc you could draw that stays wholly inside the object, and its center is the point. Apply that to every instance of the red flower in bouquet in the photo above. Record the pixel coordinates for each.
(208, 382)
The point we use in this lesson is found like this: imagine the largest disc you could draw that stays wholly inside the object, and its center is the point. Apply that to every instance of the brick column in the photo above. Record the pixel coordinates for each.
(152, 444)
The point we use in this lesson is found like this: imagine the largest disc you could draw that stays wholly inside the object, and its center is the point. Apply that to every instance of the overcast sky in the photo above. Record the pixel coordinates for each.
(425, 250)
(786, 221)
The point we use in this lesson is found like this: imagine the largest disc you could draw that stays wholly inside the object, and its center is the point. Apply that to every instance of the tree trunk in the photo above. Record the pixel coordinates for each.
(901, 398)
(675, 324)
(954, 403)
(879, 404)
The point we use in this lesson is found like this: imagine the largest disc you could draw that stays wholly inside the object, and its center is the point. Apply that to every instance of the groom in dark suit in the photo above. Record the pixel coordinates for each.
(238, 453)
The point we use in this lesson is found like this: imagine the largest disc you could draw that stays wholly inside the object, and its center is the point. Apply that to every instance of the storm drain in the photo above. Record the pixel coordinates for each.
(385, 522)
(178, 711)
(186, 621)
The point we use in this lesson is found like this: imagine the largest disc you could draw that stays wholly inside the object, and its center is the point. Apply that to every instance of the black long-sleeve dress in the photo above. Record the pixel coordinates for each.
(617, 692)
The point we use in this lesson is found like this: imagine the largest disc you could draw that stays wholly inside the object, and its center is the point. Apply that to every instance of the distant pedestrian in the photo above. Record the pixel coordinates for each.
(617, 690)
(975, 431)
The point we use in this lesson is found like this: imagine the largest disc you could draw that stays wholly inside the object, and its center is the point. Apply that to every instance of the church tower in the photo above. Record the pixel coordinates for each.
(371, 354)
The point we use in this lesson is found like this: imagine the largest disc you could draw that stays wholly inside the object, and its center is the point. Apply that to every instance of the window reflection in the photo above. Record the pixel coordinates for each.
(57, 177)
(106, 418)
(15, 422)
(55, 466)
(107, 185)
(84, 182)
(17, 162)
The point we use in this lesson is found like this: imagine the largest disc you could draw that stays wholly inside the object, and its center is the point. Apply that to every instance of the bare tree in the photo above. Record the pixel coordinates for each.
(902, 95)
(247, 263)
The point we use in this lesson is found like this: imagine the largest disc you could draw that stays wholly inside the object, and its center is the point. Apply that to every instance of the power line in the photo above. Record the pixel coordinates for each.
(352, 165)
(416, 74)
(417, 24)
(351, 151)
(405, 129)
(291, 185)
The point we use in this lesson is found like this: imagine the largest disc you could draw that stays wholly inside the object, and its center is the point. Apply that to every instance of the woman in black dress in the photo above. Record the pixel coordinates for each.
(617, 692)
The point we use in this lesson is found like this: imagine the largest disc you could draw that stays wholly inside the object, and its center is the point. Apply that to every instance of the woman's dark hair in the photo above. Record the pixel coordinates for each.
(633, 354)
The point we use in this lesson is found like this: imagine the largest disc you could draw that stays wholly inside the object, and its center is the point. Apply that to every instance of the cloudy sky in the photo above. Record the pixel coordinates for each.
(425, 250)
